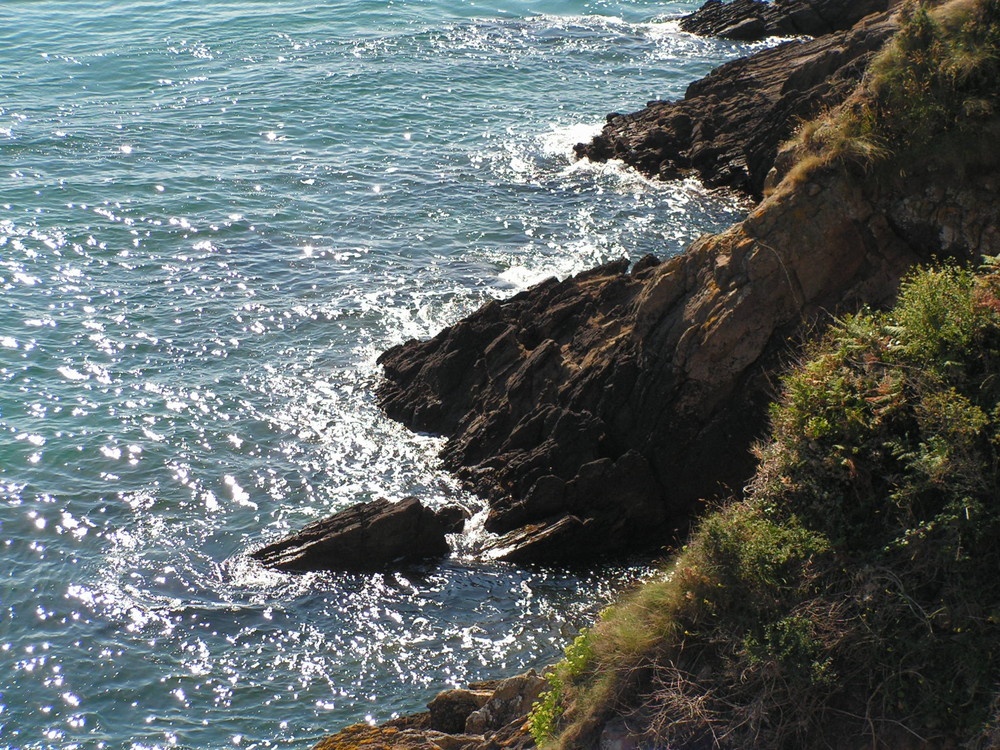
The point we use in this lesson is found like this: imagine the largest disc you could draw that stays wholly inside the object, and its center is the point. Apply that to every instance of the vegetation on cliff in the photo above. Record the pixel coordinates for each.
(939, 73)
(853, 596)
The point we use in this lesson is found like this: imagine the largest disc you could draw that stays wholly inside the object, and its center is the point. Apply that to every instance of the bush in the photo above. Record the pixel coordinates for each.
(854, 594)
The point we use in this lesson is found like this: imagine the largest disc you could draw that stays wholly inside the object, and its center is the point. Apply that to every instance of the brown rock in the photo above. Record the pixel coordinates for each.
(510, 703)
(367, 536)
(365, 737)
(493, 717)
(376, 738)
(450, 709)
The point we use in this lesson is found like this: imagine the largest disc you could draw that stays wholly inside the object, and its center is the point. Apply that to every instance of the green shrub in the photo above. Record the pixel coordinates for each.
(547, 710)
(938, 74)
(854, 593)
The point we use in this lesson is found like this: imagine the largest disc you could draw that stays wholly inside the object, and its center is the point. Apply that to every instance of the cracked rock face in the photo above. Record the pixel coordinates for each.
(729, 125)
(593, 413)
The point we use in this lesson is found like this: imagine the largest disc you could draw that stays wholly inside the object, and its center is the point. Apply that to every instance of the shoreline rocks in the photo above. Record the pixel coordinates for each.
(728, 127)
(752, 20)
(595, 413)
(366, 536)
(485, 716)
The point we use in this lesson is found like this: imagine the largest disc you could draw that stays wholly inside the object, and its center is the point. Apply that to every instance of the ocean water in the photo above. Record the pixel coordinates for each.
(214, 216)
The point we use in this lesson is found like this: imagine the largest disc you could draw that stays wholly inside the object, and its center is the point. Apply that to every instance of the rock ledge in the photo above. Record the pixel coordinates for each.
(367, 536)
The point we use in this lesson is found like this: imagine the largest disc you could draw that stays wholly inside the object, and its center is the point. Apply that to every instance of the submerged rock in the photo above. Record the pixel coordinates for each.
(367, 536)
(729, 125)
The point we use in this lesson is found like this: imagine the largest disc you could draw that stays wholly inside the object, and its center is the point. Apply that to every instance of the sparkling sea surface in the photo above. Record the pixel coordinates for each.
(214, 216)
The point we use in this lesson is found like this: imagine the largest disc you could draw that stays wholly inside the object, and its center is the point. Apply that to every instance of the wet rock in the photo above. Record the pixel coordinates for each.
(729, 125)
(367, 536)
(594, 413)
(751, 20)
(561, 539)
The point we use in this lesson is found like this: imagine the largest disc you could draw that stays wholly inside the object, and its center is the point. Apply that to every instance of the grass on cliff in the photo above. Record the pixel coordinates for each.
(853, 599)
(940, 73)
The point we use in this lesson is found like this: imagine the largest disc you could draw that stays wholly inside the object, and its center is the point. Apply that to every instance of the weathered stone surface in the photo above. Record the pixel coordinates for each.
(594, 412)
(509, 704)
(450, 709)
(486, 716)
(365, 737)
(375, 738)
(750, 20)
(367, 536)
(729, 125)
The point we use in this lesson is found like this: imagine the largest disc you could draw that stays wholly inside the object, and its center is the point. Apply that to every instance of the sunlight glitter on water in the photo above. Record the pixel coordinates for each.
(199, 276)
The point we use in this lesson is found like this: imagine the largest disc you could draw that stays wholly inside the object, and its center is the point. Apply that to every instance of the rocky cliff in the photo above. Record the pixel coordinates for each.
(727, 128)
(593, 413)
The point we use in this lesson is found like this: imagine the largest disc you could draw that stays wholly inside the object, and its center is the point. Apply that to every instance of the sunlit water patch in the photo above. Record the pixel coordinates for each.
(213, 217)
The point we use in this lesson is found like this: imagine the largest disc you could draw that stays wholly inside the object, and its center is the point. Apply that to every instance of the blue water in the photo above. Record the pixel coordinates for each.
(214, 215)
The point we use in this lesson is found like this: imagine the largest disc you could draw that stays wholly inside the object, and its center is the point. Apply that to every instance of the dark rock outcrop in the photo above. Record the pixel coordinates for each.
(727, 128)
(367, 536)
(450, 709)
(486, 716)
(594, 412)
(751, 20)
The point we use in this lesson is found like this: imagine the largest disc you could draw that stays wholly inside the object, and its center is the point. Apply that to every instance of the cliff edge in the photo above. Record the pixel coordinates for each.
(729, 125)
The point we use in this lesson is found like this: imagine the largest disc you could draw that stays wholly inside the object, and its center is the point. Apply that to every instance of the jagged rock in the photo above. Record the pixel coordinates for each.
(535, 458)
(450, 709)
(367, 536)
(593, 413)
(729, 125)
(562, 538)
(486, 716)
(509, 703)
(750, 20)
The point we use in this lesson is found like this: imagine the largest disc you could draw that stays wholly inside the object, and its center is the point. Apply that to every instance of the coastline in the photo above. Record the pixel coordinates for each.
(731, 311)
